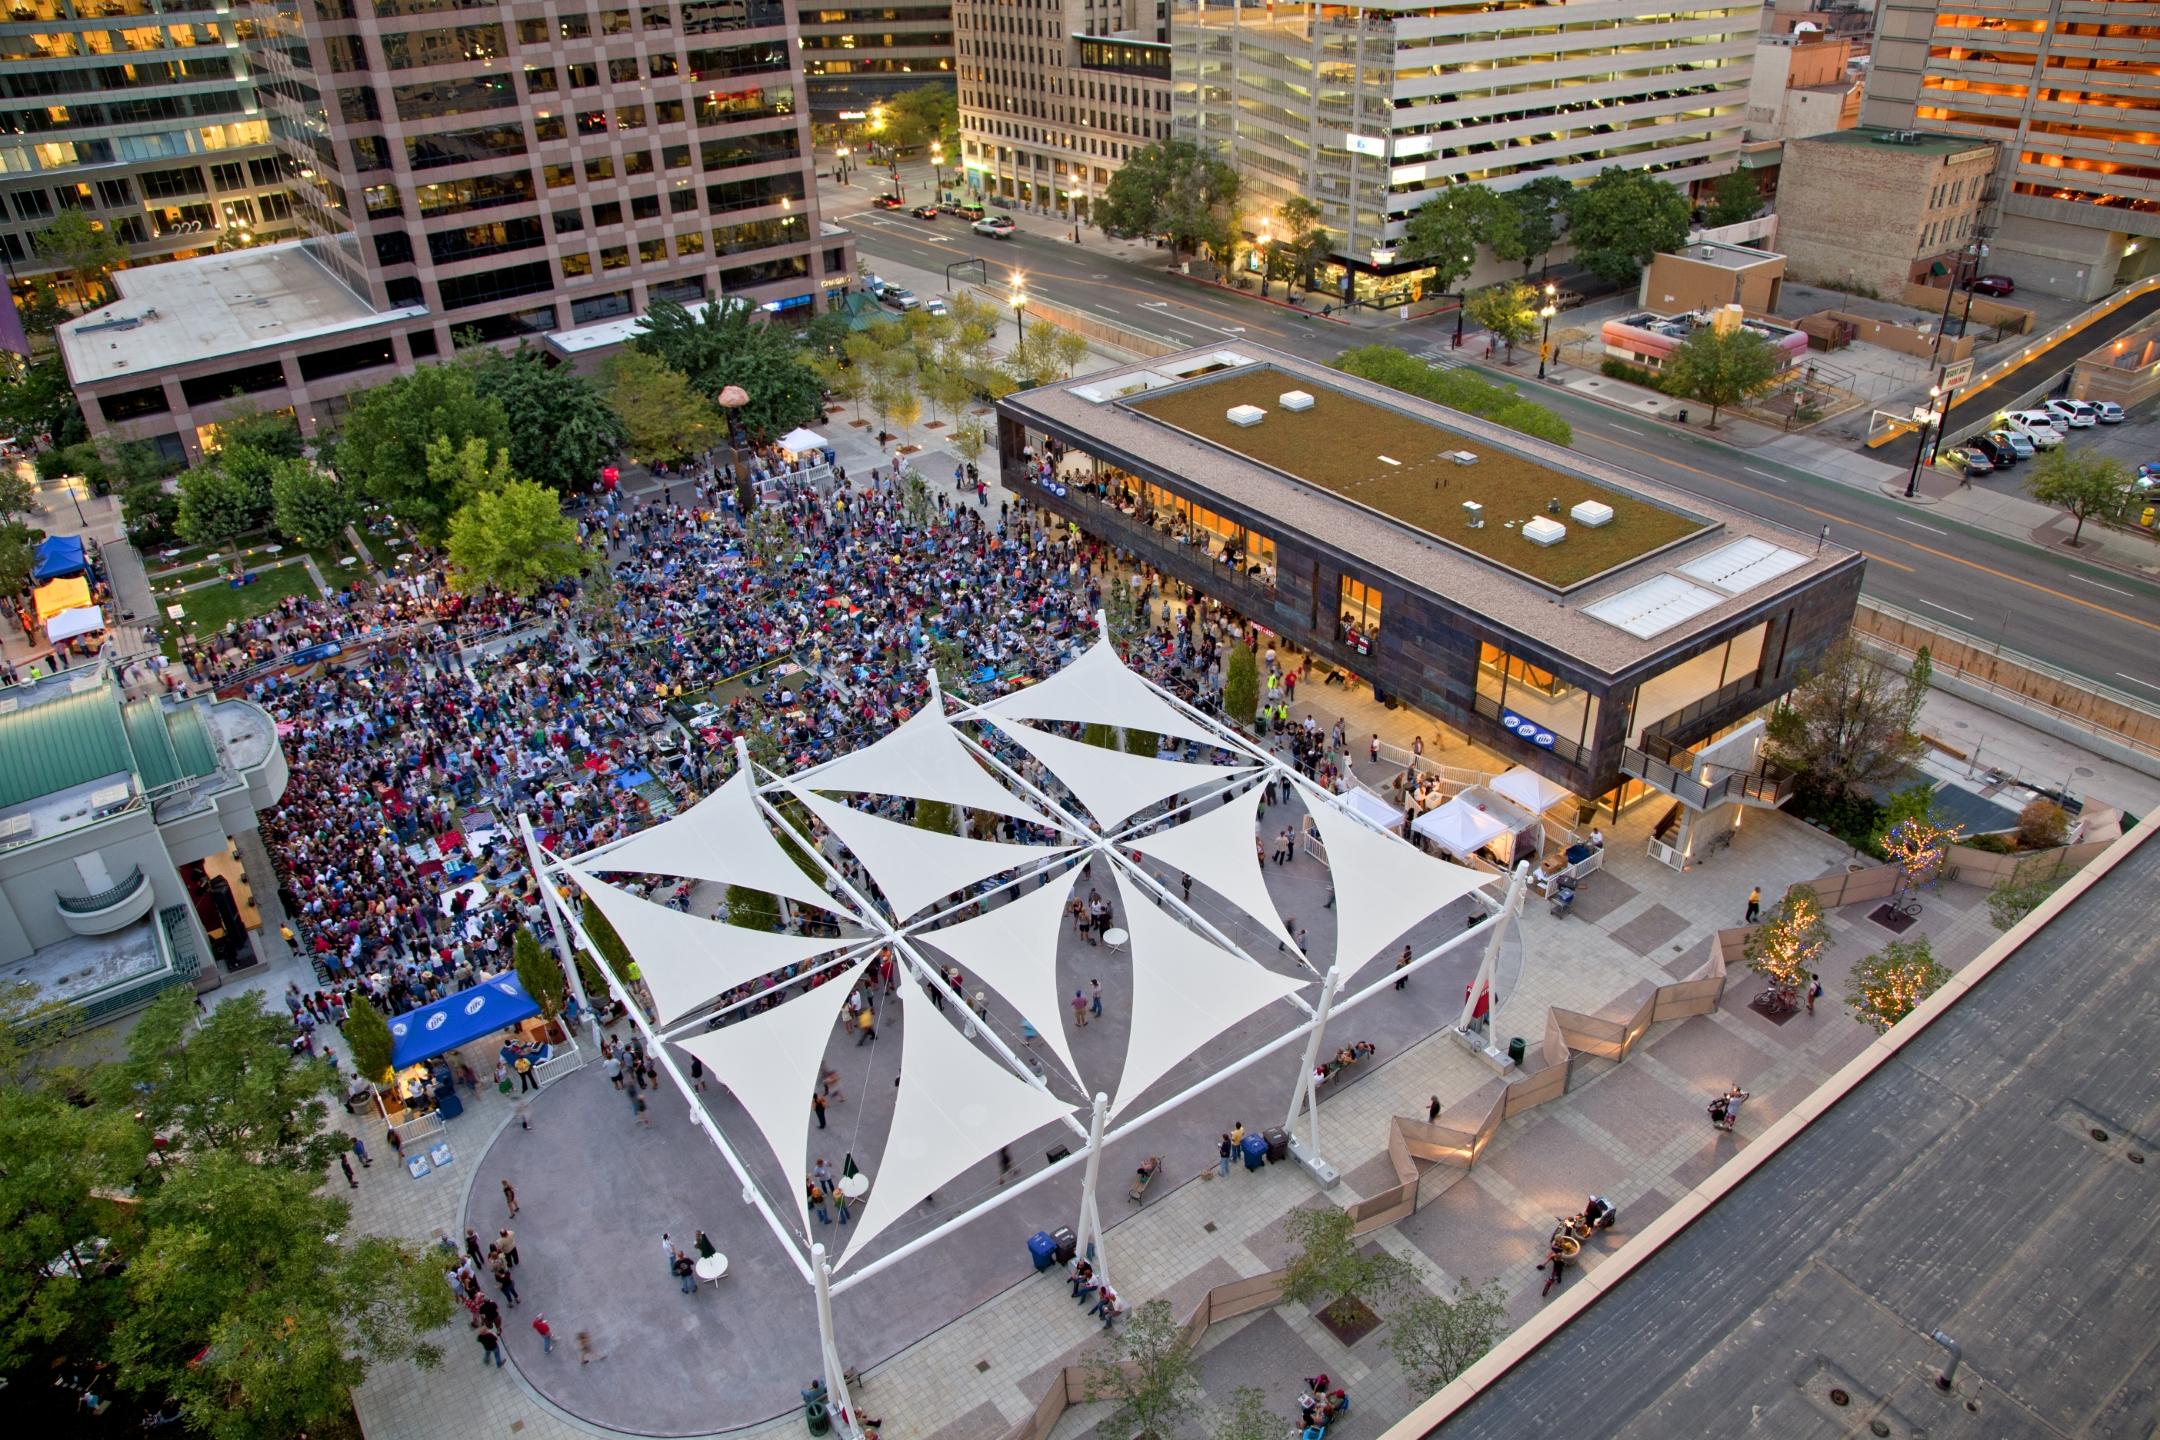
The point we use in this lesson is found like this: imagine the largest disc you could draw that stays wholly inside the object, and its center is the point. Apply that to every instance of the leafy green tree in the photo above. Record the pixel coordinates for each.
(2084, 482)
(1246, 1417)
(1784, 949)
(733, 345)
(247, 426)
(608, 943)
(769, 539)
(1446, 231)
(18, 554)
(1722, 369)
(1145, 743)
(384, 446)
(514, 538)
(1733, 199)
(1147, 1372)
(464, 471)
(227, 496)
(1509, 310)
(916, 118)
(42, 310)
(1241, 686)
(915, 501)
(1889, 984)
(970, 438)
(1434, 1339)
(58, 1193)
(663, 417)
(1326, 1263)
(37, 400)
(87, 251)
(311, 506)
(538, 972)
(1848, 725)
(1621, 219)
(1101, 736)
(1304, 243)
(1174, 189)
(563, 431)
(1456, 389)
(1523, 225)
(151, 513)
(2042, 825)
(367, 1036)
(17, 495)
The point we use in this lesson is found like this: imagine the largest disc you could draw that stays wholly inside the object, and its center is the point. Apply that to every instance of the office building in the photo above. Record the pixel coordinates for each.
(857, 56)
(531, 171)
(1881, 208)
(1367, 109)
(1616, 635)
(1054, 94)
(2069, 90)
(141, 113)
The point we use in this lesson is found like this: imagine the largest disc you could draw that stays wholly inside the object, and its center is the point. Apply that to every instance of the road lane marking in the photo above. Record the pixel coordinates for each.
(2135, 681)
(1766, 475)
(1631, 430)
(2109, 588)
(1918, 526)
(1946, 610)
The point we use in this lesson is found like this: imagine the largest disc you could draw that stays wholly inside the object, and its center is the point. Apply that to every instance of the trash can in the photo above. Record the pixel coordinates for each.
(1256, 1151)
(1278, 1143)
(1042, 1249)
(1515, 1051)
(1065, 1244)
(816, 1417)
(447, 1102)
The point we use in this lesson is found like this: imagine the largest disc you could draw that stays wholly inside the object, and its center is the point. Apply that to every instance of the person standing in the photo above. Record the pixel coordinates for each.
(697, 1074)
(814, 1194)
(1223, 1153)
(584, 1348)
(490, 1347)
(638, 1108)
(1095, 999)
(546, 1332)
(1402, 962)
(1814, 992)
(1432, 1111)
(523, 1066)
(504, 1283)
(1372, 751)
(1754, 905)
(397, 1143)
(346, 1165)
(472, 1246)
(867, 1024)
(506, 1244)
(1079, 1009)
(510, 1198)
(359, 1148)
(817, 1108)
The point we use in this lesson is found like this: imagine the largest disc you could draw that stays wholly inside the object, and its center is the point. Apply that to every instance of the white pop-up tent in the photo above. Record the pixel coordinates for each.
(799, 440)
(1459, 827)
(1532, 791)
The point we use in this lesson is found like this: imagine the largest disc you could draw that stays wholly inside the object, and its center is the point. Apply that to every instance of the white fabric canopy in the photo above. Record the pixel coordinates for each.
(723, 838)
(1186, 991)
(926, 760)
(1097, 688)
(1111, 783)
(79, 621)
(1013, 949)
(800, 439)
(1459, 827)
(916, 868)
(1376, 809)
(771, 1062)
(1216, 848)
(1382, 885)
(1528, 789)
(956, 1105)
(686, 961)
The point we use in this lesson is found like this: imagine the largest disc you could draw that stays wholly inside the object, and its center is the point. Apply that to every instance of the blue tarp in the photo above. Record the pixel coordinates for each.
(452, 1021)
(59, 555)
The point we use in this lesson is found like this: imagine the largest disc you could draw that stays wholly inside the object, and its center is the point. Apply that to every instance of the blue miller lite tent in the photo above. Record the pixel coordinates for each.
(493, 1004)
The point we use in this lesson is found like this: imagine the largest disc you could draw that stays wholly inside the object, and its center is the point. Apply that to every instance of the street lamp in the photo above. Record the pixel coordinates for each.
(1925, 415)
(1462, 300)
(937, 160)
(1018, 297)
(1974, 250)
(1260, 245)
(1551, 308)
(841, 155)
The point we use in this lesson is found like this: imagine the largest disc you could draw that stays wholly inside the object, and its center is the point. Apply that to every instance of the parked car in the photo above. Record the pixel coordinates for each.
(934, 307)
(997, 227)
(2000, 287)
(2038, 425)
(971, 212)
(899, 297)
(889, 202)
(2019, 442)
(2109, 412)
(924, 212)
(1969, 458)
(2074, 414)
(1999, 455)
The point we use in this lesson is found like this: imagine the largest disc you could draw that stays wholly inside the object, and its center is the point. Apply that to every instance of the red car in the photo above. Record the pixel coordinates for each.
(889, 202)
(2001, 287)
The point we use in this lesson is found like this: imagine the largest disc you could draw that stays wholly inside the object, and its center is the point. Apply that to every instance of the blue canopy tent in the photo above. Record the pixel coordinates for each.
(59, 555)
(494, 1004)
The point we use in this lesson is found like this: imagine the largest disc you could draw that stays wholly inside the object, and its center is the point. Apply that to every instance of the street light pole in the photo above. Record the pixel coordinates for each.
(1927, 415)
(1552, 294)
(1019, 303)
(1462, 301)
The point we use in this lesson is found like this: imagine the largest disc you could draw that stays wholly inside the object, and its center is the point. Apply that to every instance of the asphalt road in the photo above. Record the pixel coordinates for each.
(2094, 621)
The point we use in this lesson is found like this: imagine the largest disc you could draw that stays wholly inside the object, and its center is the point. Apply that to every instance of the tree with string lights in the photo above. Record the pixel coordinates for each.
(1784, 948)
(1918, 845)
(1886, 987)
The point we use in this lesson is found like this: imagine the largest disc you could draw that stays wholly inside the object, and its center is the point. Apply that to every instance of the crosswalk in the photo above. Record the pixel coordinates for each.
(1443, 357)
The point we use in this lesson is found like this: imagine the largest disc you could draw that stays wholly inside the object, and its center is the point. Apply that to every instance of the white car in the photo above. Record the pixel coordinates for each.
(997, 227)
(2076, 414)
(2108, 411)
(934, 307)
(2037, 425)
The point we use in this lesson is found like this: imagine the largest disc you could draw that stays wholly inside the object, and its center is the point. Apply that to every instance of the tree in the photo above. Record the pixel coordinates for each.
(247, 426)
(1435, 1339)
(562, 430)
(1885, 987)
(1918, 845)
(151, 513)
(1147, 1372)
(226, 496)
(1456, 389)
(2083, 482)
(1246, 1417)
(2034, 879)
(1304, 243)
(1784, 948)
(915, 501)
(1848, 724)
(37, 401)
(970, 439)
(65, 1163)
(18, 555)
(311, 506)
(538, 972)
(1722, 368)
(915, 119)
(937, 817)
(514, 539)
(1733, 199)
(768, 538)
(1621, 219)
(384, 446)
(613, 952)
(1523, 225)
(732, 344)
(367, 1036)
(1241, 686)
(1509, 310)
(1327, 1264)
(2042, 825)
(85, 250)
(664, 418)
(1175, 189)
(1101, 736)
(1446, 231)
(462, 471)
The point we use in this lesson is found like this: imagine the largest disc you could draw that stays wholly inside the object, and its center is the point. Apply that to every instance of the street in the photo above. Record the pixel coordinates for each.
(2098, 622)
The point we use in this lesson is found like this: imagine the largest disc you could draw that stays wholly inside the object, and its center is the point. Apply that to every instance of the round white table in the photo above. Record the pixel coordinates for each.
(1115, 939)
(711, 1268)
(855, 1186)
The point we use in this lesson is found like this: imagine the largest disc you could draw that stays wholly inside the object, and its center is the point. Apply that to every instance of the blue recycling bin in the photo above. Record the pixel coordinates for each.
(1043, 1249)
(1255, 1151)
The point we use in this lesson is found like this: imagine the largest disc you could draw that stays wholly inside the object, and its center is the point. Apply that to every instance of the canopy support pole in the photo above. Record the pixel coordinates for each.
(838, 1401)
(553, 903)
(1303, 1095)
(1090, 1237)
(1510, 908)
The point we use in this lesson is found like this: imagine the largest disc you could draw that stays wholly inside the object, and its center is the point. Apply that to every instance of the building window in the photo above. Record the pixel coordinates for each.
(614, 257)
(1544, 709)
(1357, 622)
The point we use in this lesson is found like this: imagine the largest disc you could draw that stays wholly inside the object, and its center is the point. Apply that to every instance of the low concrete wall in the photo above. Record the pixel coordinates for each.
(2014, 318)
(1902, 339)
(1985, 867)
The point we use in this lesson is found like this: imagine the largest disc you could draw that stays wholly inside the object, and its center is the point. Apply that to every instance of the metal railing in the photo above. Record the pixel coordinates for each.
(104, 899)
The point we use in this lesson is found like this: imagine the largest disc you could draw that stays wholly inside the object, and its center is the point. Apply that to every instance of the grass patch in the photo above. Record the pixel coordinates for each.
(1399, 465)
(211, 610)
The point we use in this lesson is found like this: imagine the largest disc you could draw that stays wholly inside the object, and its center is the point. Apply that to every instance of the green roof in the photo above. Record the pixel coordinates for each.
(1924, 142)
(50, 745)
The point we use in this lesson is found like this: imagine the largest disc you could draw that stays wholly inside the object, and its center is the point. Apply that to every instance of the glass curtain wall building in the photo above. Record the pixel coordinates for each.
(856, 55)
(1367, 109)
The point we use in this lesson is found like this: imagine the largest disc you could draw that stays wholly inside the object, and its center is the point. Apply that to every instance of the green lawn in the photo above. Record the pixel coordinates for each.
(214, 608)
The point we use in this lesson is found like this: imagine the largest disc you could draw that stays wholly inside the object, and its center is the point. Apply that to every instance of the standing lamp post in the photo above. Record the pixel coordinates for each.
(841, 155)
(1926, 415)
(937, 172)
(1552, 295)
(1018, 297)
(1462, 300)
(1260, 248)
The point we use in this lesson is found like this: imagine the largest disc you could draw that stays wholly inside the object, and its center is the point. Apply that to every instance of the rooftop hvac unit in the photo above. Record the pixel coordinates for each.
(1245, 416)
(1474, 514)
(1544, 530)
(1295, 400)
(1463, 457)
(17, 830)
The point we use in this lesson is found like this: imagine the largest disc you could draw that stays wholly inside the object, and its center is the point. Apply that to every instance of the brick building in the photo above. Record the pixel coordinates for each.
(1881, 207)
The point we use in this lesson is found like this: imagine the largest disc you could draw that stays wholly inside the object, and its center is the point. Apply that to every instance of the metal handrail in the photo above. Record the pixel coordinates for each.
(104, 899)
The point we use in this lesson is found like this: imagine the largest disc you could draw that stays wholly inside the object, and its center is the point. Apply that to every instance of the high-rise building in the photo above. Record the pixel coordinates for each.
(1054, 94)
(857, 55)
(1367, 108)
(140, 113)
(2070, 89)
(489, 169)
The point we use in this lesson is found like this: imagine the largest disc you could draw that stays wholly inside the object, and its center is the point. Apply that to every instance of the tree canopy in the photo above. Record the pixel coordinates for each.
(1176, 189)
(87, 251)
(562, 430)
(2083, 482)
(1509, 310)
(1722, 368)
(1888, 985)
(384, 446)
(915, 119)
(513, 538)
(1621, 219)
(723, 345)
(664, 418)
(229, 495)
(1447, 229)
(1523, 225)
(311, 506)
(1734, 198)
(1456, 389)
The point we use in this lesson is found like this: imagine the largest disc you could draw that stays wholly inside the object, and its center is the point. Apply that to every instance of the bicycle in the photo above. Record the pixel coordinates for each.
(1777, 1000)
(1907, 904)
